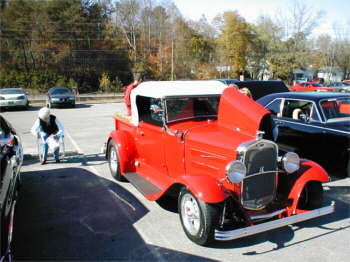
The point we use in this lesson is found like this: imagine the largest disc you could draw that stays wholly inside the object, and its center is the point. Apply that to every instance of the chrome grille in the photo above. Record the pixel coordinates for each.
(259, 186)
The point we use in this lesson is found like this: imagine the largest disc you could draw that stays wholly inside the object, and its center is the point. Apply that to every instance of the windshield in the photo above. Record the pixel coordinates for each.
(11, 92)
(317, 85)
(184, 108)
(60, 91)
(337, 109)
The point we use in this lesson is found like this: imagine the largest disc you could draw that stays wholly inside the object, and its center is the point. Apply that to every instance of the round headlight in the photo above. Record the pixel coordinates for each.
(291, 162)
(236, 171)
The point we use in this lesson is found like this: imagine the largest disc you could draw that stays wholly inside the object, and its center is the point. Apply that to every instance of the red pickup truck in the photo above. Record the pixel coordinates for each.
(310, 87)
(210, 147)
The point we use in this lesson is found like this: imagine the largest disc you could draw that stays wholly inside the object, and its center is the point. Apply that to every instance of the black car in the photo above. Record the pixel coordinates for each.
(260, 88)
(60, 96)
(11, 159)
(315, 125)
(227, 81)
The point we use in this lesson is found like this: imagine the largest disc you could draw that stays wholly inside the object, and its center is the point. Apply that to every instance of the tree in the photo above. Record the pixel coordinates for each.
(236, 40)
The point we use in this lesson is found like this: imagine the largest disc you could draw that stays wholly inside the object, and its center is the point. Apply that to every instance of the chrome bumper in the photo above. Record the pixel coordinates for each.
(251, 230)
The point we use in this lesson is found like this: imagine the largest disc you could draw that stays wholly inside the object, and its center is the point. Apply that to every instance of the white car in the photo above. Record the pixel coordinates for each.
(13, 97)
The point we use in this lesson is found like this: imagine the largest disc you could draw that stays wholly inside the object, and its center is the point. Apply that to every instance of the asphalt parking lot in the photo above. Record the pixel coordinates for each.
(74, 210)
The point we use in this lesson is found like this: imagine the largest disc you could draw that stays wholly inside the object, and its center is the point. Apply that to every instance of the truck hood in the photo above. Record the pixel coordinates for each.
(239, 112)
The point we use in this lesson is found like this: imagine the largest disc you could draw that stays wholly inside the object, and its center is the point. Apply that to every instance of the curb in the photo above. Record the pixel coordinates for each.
(35, 156)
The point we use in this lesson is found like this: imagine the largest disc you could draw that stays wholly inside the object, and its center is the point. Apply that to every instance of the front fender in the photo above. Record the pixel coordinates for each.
(204, 188)
(309, 171)
(126, 150)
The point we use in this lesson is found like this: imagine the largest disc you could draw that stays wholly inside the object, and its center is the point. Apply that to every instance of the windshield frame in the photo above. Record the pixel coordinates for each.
(205, 117)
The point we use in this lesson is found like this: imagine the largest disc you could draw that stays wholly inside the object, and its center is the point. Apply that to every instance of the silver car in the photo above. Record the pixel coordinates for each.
(13, 97)
(11, 160)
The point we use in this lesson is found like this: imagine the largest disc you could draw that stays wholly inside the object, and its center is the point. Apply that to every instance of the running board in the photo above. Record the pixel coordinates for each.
(252, 230)
(142, 184)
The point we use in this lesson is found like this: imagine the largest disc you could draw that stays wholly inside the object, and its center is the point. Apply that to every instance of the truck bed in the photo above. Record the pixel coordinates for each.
(122, 117)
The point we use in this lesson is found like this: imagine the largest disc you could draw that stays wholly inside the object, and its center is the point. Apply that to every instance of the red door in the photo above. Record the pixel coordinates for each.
(151, 159)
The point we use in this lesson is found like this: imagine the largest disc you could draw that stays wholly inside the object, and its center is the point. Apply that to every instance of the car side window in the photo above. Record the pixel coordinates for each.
(146, 106)
(5, 130)
(275, 107)
(297, 110)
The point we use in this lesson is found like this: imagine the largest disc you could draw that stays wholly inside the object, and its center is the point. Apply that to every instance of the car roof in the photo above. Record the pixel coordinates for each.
(161, 89)
(315, 96)
(55, 88)
(17, 88)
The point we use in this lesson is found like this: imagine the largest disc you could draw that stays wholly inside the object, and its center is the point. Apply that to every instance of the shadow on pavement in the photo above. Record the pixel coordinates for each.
(281, 236)
(72, 214)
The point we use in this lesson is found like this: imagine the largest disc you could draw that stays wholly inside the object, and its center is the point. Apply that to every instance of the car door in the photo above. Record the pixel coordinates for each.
(150, 144)
(287, 132)
(299, 127)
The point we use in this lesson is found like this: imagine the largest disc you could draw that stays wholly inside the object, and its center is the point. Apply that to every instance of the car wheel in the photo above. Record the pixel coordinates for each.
(312, 196)
(198, 218)
(113, 161)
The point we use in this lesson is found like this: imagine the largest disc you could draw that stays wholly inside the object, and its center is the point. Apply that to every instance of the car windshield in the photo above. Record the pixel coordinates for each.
(60, 91)
(346, 83)
(336, 109)
(11, 92)
(185, 108)
(317, 85)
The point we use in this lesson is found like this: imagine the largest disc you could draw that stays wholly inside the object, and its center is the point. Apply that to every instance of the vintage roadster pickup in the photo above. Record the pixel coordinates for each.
(210, 147)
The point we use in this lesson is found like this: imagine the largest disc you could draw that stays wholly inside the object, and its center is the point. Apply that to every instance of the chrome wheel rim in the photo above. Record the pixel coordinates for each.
(190, 214)
(113, 160)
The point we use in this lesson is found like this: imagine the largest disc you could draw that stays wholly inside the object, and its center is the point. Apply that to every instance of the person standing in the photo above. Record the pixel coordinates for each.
(139, 78)
(45, 126)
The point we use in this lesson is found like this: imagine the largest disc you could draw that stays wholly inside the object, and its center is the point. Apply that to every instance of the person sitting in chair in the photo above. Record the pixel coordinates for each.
(45, 126)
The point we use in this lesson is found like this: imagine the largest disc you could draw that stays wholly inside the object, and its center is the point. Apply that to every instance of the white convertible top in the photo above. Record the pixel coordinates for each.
(162, 89)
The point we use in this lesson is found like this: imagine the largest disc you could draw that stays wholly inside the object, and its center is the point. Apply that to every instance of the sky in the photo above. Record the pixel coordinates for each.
(337, 12)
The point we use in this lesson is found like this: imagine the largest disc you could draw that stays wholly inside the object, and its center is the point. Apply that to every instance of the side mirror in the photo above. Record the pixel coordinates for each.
(155, 109)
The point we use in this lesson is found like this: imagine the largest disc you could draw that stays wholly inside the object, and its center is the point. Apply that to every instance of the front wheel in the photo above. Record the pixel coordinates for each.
(113, 161)
(312, 196)
(198, 218)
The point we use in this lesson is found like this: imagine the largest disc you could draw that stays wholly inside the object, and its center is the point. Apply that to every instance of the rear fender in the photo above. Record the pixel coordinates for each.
(204, 188)
(126, 150)
(309, 171)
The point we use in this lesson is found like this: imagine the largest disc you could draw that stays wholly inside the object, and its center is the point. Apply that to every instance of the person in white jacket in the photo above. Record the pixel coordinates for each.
(45, 126)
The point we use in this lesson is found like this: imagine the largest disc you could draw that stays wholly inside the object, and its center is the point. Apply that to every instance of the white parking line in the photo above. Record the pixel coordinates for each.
(74, 143)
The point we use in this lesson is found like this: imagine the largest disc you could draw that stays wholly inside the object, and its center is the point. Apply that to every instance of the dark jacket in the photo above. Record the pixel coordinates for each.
(49, 127)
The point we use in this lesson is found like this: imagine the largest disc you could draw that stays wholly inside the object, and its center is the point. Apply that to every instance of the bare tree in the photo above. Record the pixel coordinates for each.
(128, 19)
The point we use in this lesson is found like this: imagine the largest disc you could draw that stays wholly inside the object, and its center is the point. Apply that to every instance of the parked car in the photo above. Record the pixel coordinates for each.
(60, 96)
(314, 125)
(310, 87)
(13, 97)
(203, 144)
(342, 87)
(11, 159)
